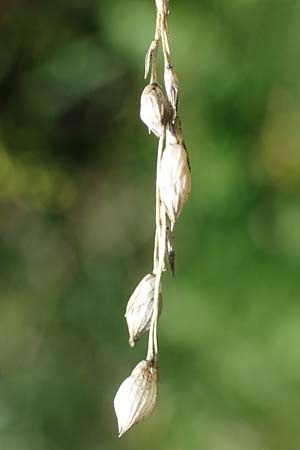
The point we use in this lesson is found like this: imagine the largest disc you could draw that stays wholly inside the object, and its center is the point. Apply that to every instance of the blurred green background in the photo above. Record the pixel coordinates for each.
(77, 221)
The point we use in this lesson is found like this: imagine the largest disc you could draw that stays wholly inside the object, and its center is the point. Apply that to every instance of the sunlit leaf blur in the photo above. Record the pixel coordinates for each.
(77, 221)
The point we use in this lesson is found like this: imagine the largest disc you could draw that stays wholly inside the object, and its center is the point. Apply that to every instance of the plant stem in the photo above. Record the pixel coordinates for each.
(158, 255)
(158, 205)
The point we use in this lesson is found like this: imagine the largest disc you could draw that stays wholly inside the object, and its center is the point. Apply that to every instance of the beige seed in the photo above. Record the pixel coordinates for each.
(154, 109)
(174, 177)
(139, 308)
(136, 396)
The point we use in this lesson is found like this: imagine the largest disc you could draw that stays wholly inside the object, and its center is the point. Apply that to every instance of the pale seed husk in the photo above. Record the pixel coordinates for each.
(174, 178)
(154, 109)
(139, 308)
(136, 396)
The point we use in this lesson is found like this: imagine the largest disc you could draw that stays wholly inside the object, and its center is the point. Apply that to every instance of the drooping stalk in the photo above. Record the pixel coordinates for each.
(136, 396)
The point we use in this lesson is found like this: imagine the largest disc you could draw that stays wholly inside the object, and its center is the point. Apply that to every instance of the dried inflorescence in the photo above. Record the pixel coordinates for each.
(136, 396)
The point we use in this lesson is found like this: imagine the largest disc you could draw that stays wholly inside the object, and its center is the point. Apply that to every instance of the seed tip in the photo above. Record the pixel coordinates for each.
(131, 342)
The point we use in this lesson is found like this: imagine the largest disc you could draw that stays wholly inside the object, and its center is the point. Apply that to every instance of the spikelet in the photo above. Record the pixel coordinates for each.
(152, 48)
(136, 396)
(172, 88)
(154, 109)
(174, 177)
(139, 308)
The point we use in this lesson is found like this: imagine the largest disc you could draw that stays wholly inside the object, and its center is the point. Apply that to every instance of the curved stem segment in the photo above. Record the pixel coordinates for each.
(165, 41)
(162, 251)
(152, 343)
(158, 256)
(153, 78)
(158, 204)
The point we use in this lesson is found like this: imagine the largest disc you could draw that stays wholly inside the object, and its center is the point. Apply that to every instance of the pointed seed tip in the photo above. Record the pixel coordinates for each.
(131, 342)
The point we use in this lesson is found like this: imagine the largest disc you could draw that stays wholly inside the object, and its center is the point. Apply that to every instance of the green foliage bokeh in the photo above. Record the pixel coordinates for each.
(77, 172)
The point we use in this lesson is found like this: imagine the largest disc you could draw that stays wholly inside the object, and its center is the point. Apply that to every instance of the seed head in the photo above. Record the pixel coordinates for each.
(154, 109)
(139, 308)
(174, 177)
(136, 396)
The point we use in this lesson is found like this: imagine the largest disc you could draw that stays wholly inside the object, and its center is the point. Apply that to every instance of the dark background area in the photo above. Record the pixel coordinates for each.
(77, 184)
